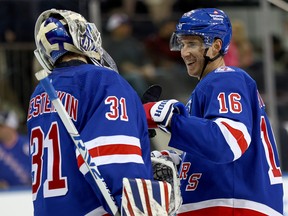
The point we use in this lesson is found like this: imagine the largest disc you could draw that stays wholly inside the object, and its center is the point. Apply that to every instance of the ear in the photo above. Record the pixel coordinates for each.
(216, 46)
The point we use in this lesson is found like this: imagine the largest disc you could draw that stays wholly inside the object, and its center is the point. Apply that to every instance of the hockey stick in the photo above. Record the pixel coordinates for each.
(152, 94)
(42, 76)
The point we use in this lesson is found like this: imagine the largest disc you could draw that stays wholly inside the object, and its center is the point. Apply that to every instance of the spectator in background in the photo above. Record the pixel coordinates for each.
(14, 152)
(159, 10)
(168, 64)
(9, 100)
(157, 45)
(280, 56)
(240, 47)
(128, 53)
(241, 54)
(16, 21)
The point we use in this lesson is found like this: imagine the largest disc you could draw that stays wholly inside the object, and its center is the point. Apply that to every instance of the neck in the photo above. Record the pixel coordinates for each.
(67, 58)
(213, 65)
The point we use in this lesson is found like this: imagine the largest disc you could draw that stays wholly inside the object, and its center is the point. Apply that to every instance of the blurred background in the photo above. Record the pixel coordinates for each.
(136, 34)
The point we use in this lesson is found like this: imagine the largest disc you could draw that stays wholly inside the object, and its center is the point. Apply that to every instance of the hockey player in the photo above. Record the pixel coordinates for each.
(14, 152)
(230, 164)
(105, 109)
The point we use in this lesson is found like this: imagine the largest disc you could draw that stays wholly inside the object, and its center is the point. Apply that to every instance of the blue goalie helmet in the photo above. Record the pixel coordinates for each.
(54, 39)
(60, 31)
(208, 23)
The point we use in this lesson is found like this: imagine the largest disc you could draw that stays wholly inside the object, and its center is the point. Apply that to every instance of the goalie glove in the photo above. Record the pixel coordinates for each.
(165, 170)
(160, 196)
(160, 113)
(174, 156)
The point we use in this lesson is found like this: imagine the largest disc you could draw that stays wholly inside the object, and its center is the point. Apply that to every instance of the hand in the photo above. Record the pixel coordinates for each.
(164, 169)
(160, 113)
(173, 155)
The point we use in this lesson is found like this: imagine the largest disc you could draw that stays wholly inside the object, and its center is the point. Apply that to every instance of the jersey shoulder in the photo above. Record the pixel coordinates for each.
(226, 77)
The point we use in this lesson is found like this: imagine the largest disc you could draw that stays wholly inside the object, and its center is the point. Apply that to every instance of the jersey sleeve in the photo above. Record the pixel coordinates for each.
(114, 131)
(220, 121)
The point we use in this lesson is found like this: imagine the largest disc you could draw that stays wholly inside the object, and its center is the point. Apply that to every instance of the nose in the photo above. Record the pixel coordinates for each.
(185, 52)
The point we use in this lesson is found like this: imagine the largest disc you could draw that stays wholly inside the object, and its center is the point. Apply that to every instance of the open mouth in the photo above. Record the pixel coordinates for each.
(190, 63)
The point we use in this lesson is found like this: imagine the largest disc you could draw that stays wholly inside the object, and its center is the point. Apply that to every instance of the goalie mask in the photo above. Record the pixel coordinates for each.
(60, 31)
(208, 23)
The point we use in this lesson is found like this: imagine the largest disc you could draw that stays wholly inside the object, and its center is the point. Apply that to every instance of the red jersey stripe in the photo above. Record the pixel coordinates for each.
(239, 136)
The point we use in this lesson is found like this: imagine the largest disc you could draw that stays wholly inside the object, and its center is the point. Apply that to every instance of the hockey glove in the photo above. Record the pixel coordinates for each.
(164, 169)
(172, 154)
(160, 113)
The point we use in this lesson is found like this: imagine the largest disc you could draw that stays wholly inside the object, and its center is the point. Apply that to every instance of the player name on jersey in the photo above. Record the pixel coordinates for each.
(41, 104)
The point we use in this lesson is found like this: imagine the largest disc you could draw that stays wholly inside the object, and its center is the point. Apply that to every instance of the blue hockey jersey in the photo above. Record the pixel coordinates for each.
(230, 163)
(109, 115)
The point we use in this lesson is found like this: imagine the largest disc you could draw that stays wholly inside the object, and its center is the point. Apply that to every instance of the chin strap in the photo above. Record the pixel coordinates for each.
(207, 59)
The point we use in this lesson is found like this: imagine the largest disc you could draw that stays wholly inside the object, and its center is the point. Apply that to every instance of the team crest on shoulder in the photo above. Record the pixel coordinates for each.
(224, 69)
(189, 106)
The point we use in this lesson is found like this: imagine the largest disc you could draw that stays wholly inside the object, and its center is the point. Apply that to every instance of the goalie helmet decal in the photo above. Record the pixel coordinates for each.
(60, 31)
(54, 39)
(208, 23)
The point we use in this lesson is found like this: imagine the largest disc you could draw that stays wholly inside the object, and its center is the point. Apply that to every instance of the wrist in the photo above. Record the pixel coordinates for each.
(147, 107)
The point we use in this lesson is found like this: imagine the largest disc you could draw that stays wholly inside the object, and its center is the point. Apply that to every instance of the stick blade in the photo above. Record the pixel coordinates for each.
(152, 94)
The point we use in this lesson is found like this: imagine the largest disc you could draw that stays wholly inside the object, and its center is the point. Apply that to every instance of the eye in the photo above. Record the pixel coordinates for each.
(193, 44)
(189, 44)
(180, 45)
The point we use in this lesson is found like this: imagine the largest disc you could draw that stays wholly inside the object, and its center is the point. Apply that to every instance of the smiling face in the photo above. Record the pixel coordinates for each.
(193, 52)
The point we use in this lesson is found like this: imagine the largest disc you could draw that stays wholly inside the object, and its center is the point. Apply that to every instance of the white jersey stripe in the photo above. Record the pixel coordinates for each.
(232, 203)
(230, 138)
(126, 141)
(108, 140)
(98, 211)
(103, 160)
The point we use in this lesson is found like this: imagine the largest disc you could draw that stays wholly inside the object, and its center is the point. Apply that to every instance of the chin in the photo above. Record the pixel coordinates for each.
(193, 74)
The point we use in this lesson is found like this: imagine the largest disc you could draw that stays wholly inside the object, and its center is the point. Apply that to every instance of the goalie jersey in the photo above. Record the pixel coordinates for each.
(230, 164)
(109, 115)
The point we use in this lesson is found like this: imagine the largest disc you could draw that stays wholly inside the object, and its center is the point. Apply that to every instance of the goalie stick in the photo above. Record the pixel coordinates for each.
(42, 76)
